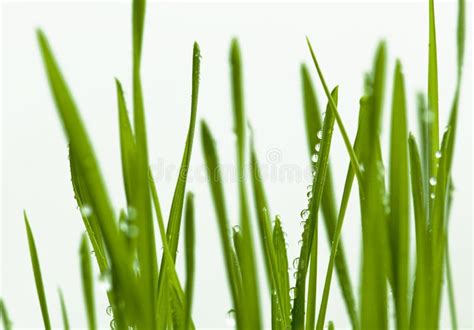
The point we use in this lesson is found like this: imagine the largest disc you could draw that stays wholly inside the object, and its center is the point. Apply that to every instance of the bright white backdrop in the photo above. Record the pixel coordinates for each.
(93, 43)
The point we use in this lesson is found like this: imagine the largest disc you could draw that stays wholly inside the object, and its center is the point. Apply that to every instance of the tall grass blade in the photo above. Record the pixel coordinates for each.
(88, 283)
(248, 266)
(328, 204)
(311, 224)
(399, 193)
(217, 192)
(190, 262)
(37, 273)
(174, 221)
(63, 310)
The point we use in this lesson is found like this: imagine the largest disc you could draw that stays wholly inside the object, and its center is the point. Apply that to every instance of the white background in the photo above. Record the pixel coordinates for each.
(93, 44)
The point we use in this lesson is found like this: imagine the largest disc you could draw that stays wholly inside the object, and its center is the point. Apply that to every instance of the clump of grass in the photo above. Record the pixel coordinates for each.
(144, 294)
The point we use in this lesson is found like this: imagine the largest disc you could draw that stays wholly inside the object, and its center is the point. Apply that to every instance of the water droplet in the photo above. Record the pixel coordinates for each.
(433, 181)
(86, 211)
(302, 224)
(236, 228)
(309, 194)
(109, 310)
(292, 293)
(296, 262)
(313, 172)
(112, 324)
(300, 242)
(105, 281)
(314, 158)
(362, 167)
(432, 195)
(231, 317)
(317, 147)
(131, 212)
(93, 252)
(295, 275)
(304, 214)
(309, 188)
(320, 134)
(438, 154)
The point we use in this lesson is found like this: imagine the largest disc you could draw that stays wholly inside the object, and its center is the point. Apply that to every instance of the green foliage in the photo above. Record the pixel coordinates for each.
(144, 296)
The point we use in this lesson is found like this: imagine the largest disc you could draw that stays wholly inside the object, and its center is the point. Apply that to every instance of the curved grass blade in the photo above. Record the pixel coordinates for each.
(251, 313)
(87, 163)
(127, 144)
(328, 204)
(311, 224)
(174, 221)
(63, 310)
(88, 283)
(37, 273)
(333, 108)
(217, 192)
(399, 206)
(190, 263)
(7, 324)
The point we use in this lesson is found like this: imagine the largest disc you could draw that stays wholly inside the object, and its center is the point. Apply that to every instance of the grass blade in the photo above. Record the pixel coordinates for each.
(190, 263)
(333, 108)
(88, 283)
(328, 205)
(311, 224)
(217, 192)
(63, 310)
(7, 324)
(399, 192)
(174, 221)
(37, 272)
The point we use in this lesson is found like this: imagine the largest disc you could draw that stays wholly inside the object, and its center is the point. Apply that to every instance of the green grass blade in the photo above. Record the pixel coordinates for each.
(190, 263)
(399, 204)
(217, 192)
(420, 312)
(374, 257)
(174, 221)
(174, 293)
(451, 298)
(127, 143)
(146, 248)
(87, 163)
(63, 310)
(328, 204)
(338, 231)
(37, 273)
(88, 283)
(333, 108)
(311, 224)
(433, 90)
(251, 315)
(7, 324)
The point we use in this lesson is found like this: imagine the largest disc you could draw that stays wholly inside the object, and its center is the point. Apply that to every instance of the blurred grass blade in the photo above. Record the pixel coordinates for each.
(328, 204)
(399, 192)
(252, 319)
(217, 192)
(190, 263)
(7, 324)
(87, 163)
(338, 231)
(333, 107)
(37, 272)
(63, 310)
(311, 224)
(127, 143)
(174, 221)
(88, 283)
